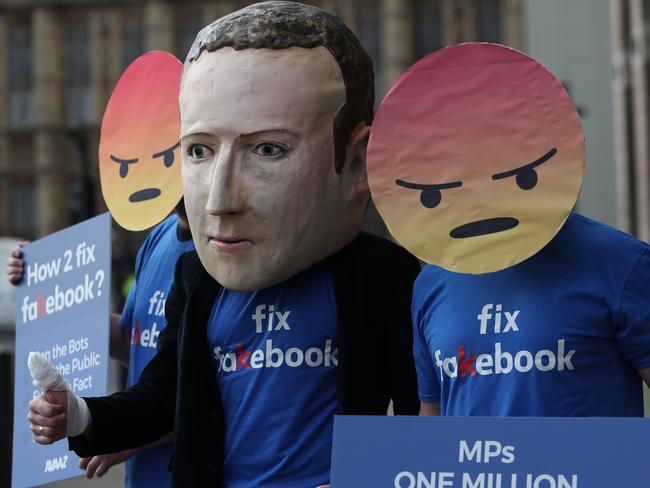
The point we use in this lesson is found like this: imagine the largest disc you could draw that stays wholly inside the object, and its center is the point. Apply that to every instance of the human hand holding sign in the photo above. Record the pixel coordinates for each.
(15, 264)
(99, 465)
(58, 412)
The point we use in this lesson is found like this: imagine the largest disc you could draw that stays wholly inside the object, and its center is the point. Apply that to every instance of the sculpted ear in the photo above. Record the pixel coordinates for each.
(355, 161)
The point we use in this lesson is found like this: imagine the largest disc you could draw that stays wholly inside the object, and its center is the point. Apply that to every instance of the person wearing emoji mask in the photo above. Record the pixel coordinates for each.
(139, 165)
(526, 308)
(286, 314)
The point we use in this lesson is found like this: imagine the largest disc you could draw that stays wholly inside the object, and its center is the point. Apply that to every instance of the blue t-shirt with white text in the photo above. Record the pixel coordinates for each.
(275, 357)
(143, 317)
(560, 334)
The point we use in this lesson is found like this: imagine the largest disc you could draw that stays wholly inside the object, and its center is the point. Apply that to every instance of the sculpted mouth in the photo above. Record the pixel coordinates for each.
(230, 244)
(228, 239)
(484, 227)
(143, 195)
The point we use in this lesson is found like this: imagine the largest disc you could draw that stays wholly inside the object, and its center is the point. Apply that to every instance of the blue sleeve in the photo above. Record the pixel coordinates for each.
(126, 320)
(633, 325)
(428, 383)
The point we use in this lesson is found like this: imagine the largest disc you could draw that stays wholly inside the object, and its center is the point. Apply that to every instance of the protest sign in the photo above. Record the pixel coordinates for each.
(490, 452)
(62, 311)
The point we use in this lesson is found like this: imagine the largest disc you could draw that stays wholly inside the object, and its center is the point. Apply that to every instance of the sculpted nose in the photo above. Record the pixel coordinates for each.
(226, 192)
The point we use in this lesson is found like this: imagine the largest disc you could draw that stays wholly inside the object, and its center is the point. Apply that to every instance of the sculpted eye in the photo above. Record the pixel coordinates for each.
(269, 150)
(167, 155)
(197, 151)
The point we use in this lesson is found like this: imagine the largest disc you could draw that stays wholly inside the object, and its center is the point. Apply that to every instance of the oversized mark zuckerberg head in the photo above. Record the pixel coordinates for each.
(276, 100)
(139, 162)
(476, 158)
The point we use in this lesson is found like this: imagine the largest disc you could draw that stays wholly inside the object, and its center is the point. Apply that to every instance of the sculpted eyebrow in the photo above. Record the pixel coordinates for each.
(263, 132)
(429, 186)
(525, 167)
(195, 134)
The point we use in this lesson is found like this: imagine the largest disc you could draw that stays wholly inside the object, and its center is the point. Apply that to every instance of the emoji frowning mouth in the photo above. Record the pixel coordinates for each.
(484, 227)
(143, 195)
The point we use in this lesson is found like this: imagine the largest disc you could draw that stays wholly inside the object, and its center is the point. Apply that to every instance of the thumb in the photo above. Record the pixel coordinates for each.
(57, 397)
(45, 375)
(57, 391)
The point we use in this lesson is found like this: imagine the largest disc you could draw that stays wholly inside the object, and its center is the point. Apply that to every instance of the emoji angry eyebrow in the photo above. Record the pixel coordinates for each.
(124, 161)
(124, 164)
(162, 153)
(525, 167)
(429, 186)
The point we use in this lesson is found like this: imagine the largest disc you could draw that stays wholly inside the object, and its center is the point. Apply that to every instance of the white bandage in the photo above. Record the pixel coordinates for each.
(46, 377)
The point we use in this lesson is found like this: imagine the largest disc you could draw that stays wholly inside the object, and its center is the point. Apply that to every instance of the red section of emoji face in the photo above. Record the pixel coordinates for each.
(139, 155)
(476, 158)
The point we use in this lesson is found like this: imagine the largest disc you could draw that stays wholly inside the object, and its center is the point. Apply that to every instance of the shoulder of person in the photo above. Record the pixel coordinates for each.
(159, 232)
(189, 269)
(163, 228)
(375, 262)
(189, 262)
(377, 250)
(605, 244)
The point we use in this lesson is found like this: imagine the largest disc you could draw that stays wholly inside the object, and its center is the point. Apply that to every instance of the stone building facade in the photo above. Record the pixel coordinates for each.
(59, 61)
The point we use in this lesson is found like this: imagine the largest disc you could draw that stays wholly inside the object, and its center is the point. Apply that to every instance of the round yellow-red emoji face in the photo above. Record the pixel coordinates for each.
(139, 155)
(476, 158)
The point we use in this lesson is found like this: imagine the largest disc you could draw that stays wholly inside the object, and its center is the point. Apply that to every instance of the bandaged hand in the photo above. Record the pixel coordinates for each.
(58, 412)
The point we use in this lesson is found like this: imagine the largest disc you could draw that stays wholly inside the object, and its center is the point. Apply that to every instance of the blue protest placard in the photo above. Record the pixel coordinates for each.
(490, 452)
(62, 311)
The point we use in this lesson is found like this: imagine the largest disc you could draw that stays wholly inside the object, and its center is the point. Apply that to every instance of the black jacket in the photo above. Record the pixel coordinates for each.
(373, 280)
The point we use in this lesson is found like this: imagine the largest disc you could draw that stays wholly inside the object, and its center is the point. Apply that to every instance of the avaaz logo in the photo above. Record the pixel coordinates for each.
(56, 464)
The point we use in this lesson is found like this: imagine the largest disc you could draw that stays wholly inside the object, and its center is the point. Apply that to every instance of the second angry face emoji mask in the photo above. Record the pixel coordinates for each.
(476, 158)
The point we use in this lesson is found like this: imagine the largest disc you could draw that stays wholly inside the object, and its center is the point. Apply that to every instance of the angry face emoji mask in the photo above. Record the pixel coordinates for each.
(476, 158)
(139, 160)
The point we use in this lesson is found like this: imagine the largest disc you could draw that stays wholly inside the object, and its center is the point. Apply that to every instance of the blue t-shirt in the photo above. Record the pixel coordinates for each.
(560, 334)
(144, 317)
(275, 355)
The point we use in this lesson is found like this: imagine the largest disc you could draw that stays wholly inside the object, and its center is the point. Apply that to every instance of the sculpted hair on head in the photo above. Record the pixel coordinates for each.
(283, 24)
